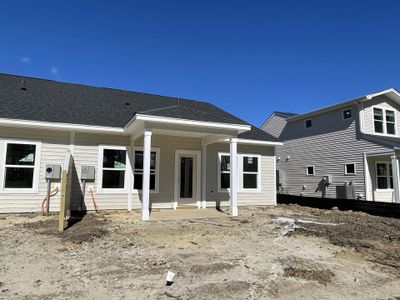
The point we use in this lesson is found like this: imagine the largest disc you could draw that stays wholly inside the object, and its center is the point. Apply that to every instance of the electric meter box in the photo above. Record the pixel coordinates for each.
(53, 172)
(327, 179)
(87, 173)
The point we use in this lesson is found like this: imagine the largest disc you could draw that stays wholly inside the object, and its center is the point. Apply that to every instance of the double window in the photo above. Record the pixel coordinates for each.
(114, 167)
(248, 172)
(21, 163)
(384, 121)
(384, 178)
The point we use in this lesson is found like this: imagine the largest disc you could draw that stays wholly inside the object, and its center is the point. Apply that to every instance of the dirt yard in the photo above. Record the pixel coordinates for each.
(284, 252)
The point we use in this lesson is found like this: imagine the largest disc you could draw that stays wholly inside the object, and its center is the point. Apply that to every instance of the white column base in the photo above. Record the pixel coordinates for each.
(145, 215)
(234, 211)
(203, 204)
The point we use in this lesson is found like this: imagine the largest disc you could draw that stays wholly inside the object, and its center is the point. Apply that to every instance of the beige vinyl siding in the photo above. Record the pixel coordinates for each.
(267, 195)
(53, 151)
(274, 126)
(328, 145)
(55, 145)
(368, 113)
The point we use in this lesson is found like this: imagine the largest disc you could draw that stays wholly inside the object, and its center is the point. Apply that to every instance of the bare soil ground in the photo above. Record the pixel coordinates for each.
(282, 252)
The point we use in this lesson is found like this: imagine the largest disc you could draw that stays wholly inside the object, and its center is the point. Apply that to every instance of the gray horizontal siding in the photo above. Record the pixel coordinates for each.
(274, 126)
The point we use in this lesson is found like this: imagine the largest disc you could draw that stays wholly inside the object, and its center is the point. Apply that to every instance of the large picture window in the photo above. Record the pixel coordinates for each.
(19, 165)
(384, 121)
(248, 172)
(113, 168)
(138, 170)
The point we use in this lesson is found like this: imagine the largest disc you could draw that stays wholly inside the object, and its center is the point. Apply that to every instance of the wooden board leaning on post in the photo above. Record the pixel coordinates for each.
(65, 193)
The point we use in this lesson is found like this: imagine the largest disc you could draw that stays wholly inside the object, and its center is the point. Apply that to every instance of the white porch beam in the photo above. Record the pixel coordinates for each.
(395, 174)
(146, 175)
(204, 176)
(233, 178)
(211, 139)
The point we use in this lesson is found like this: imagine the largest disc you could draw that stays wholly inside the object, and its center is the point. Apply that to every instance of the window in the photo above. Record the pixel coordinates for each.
(21, 165)
(113, 168)
(347, 114)
(378, 120)
(384, 175)
(384, 121)
(308, 124)
(248, 172)
(350, 169)
(390, 122)
(310, 171)
(225, 176)
(138, 170)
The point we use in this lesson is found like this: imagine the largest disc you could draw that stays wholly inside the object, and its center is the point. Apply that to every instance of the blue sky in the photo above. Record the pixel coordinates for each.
(248, 57)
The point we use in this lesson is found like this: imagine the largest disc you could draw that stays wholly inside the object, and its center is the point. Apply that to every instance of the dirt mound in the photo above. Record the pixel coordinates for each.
(85, 229)
(322, 276)
(211, 268)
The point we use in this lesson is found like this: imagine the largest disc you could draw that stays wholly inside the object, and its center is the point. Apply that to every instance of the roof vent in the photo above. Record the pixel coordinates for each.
(23, 88)
(127, 103)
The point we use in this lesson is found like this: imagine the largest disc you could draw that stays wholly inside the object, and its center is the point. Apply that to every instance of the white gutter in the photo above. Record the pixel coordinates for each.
(59, 126)
(176, 121)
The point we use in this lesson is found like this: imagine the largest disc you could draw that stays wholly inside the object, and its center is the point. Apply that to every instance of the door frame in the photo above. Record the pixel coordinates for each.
(197, 171)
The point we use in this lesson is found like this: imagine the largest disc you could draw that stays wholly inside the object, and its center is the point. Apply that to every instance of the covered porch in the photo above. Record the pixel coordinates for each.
(382, 176)
(168, 162)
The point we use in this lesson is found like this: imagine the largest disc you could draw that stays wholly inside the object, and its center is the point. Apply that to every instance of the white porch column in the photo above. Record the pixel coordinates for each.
(131, 157)
(395, 174)
(146, 175)
(204, 176)
(233, 178)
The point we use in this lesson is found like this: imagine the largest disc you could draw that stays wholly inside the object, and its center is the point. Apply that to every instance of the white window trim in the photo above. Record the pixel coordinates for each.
(36, 167)
(100, 169)
(305, 122)
(157, 171)
(387, 163)
(346, 119)
(307, 170)
(240, 172)
(355, 169)
(384, 122)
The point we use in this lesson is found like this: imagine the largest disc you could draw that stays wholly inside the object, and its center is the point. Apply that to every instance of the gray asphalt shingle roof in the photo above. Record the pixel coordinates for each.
(38, 99)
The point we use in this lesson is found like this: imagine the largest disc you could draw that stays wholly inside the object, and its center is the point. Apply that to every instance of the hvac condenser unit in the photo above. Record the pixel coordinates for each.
(345, 191)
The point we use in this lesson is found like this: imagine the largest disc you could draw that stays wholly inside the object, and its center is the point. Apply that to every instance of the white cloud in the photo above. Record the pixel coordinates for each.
(54, 71)
(26, 60)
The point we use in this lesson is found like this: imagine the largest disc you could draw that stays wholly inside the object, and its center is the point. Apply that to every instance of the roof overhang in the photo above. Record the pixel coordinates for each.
(256, 142)
(59, 126)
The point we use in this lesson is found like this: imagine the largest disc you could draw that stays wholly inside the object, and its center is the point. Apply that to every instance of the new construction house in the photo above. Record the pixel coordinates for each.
(347, 150)
(132, 150)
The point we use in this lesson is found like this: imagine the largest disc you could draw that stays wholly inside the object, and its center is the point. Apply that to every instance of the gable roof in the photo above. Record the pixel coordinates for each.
(35, 99)
(391, 93)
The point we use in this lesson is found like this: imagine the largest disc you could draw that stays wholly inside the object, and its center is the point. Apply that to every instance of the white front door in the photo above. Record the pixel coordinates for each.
(187, 177)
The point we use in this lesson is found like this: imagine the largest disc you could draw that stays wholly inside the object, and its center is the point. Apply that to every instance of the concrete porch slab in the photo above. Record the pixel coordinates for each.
(186, 214)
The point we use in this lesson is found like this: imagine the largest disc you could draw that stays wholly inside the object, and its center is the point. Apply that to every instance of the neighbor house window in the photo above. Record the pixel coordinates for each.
(308, 123)
(384, 175)
(21, 164)
(350, 169)
(113, 168)
(310, 171)
(390, 122)
(138, 170)
(347, 114)
(384, 121)
(248, 172)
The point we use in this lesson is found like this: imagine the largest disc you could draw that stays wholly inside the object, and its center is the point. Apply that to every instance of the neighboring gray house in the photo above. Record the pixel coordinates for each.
(148, 151)
(348, 150)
